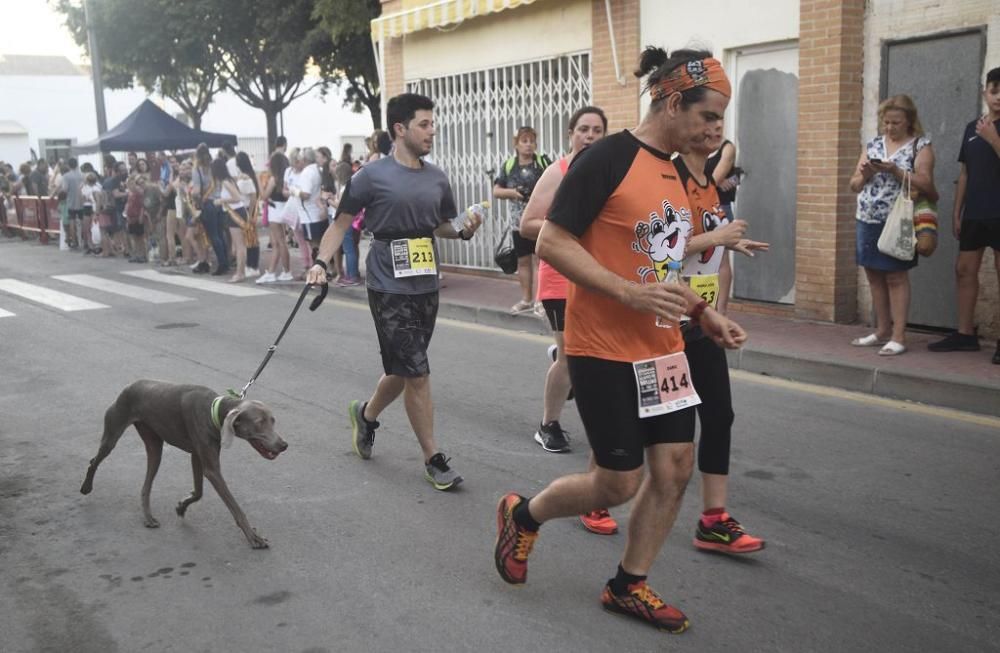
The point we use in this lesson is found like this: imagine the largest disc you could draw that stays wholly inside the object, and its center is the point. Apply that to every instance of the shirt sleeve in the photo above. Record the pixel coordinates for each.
(357, 193)
(501, 178)
(585, 189)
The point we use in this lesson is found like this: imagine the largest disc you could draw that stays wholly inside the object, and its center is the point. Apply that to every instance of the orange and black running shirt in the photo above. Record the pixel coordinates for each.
(625, 203)
(706, 215)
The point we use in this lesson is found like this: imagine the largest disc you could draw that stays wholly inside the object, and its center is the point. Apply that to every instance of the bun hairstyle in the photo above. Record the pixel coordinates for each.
(655, 64)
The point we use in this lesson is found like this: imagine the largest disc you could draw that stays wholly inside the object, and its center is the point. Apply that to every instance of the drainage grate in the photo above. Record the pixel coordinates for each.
(176, 325)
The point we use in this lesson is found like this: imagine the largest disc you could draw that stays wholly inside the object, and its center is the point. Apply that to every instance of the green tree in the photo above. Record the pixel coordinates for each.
(154, 44)
(266, 48)
(353, 59)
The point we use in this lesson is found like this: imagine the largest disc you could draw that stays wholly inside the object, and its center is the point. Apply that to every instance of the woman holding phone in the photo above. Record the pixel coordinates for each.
(901, 149)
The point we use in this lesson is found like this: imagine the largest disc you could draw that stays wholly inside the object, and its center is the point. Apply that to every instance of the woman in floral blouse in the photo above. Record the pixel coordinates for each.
(901, 148)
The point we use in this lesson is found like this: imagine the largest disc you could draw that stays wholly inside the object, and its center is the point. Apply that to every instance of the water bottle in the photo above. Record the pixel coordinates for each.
(673, 276)
(479, 209)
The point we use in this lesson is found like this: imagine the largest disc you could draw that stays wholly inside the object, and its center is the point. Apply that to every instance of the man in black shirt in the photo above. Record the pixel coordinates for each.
(976, 220)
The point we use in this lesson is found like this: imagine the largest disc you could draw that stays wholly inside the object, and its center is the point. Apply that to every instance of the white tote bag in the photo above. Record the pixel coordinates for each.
(898, 239)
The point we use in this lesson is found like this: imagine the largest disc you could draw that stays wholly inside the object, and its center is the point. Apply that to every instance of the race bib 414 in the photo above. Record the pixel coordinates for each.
(664, 385)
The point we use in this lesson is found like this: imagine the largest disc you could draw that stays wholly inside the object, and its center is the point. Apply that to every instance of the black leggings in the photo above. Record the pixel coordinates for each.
(710, 373)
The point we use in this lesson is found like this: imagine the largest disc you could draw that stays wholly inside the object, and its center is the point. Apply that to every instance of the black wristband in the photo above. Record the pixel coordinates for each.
(322, 264)
(461, 234)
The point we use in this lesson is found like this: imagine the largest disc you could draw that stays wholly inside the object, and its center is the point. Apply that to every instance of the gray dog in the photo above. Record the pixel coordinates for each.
(197, 420)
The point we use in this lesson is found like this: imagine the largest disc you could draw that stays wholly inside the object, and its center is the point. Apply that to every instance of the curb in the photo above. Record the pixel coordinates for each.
(982, 399)
(958, 394)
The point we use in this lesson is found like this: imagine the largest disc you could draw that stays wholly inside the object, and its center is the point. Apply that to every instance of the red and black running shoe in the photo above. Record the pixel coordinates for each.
(726, 536)
(643, 603)
(513, 542)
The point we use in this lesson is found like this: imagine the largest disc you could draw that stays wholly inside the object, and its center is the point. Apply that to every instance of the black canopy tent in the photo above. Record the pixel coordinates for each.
(151, 128)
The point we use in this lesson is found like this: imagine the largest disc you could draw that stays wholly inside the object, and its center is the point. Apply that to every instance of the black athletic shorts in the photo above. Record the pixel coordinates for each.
(555, 310)
(314, 230)
(404, 324)
(522, 246)
(75, 214)
(608, 401)
(977, 234)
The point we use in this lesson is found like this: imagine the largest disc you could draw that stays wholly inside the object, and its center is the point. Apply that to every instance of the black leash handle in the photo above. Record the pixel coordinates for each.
(324, 288)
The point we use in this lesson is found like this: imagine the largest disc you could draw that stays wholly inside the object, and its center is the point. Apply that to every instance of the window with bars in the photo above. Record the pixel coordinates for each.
(478, 113)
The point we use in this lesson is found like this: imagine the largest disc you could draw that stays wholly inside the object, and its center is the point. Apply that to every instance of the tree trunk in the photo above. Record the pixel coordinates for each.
(195, 120)
(271, 115)
(374, 104)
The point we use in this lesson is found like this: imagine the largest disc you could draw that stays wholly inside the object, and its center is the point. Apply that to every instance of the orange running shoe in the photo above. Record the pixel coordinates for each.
(643, 603)
(513, 542)
(726, 536)
(600, 522)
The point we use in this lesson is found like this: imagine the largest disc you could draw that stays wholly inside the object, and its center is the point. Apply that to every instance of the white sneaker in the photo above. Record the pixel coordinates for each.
(286, 276)
(252, 272)
(267, 277)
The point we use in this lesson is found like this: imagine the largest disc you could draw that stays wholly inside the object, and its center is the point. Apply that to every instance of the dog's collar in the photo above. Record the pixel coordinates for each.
(216, 418)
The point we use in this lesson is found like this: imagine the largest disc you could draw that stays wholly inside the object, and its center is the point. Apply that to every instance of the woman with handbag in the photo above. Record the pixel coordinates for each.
(901, 155)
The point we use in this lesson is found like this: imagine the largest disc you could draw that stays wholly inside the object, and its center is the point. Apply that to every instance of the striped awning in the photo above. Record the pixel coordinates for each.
(437, 14)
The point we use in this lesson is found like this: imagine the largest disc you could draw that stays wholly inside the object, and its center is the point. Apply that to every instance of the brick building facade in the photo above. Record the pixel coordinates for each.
(843, 50)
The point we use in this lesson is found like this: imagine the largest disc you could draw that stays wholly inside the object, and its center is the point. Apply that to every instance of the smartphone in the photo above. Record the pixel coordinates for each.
(875, 160)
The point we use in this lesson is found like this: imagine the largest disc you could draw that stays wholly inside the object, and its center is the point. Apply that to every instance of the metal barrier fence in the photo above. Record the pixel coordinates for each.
(478, 113)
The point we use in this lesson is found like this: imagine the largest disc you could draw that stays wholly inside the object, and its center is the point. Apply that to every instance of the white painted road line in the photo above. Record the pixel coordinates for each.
(222, 288)
(123, 289)
(4, 313)
(48, 297)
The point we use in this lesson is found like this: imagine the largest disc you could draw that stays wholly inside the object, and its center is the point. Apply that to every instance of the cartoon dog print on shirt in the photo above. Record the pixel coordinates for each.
(710, 221)
(662, 239)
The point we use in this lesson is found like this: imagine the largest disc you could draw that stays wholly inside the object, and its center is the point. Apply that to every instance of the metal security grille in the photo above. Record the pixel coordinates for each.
(477, 115)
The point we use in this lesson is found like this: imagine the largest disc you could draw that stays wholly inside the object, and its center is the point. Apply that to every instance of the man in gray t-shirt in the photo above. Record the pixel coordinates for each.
(400, 202)
(407, 203)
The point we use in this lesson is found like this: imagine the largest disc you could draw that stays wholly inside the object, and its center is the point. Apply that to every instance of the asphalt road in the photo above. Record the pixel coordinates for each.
(879, 516)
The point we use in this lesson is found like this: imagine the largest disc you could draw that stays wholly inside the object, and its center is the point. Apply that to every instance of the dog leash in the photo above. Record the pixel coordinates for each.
(324, 288)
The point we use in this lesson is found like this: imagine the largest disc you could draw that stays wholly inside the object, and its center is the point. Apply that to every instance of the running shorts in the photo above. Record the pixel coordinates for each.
(608, 401)
(404, 324)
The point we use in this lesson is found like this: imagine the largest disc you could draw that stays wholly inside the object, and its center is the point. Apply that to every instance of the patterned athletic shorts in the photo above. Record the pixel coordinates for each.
(404, 324)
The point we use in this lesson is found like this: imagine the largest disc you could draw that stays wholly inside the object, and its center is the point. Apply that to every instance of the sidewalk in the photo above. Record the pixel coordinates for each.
(812, 352)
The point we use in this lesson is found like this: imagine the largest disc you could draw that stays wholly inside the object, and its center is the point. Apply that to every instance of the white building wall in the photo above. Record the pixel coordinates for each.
(672, 25)
(13, 147)
(538, 31)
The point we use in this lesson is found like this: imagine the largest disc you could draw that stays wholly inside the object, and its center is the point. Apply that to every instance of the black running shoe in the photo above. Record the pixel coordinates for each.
(955, 342)
(552, 437)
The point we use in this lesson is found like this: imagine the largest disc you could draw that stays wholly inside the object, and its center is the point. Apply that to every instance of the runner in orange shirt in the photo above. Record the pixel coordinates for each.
(618, 224)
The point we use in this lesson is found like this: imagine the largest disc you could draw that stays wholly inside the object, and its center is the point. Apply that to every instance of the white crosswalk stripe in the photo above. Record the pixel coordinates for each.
(123, 289)
(205, 285)
(4, 313)
(47, 296)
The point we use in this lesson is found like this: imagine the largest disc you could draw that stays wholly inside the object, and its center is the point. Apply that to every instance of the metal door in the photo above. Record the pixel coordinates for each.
(764, 121)
(943, 75)
(478, 113)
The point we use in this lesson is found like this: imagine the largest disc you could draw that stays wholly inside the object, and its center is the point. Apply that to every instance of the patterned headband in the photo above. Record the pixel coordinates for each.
(701, 72)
